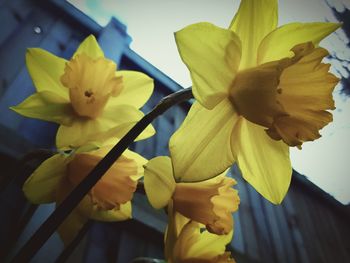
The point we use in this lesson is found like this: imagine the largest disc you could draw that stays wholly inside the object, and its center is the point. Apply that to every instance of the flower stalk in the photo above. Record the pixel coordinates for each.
(73, 199)
(70, 248)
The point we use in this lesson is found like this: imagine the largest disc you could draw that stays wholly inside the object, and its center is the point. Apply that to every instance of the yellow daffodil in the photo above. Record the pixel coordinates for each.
(260, 89)
(108, 200)
(86, 95)
(187, 242)
(210, 202)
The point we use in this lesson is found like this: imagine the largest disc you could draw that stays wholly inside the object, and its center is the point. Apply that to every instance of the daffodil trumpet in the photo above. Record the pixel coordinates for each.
(209, 202)
(260, 89)
(108, 200)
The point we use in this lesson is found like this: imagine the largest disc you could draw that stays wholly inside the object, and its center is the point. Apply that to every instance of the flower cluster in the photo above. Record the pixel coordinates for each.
(208, 203)
(95, 105)
(259, 90)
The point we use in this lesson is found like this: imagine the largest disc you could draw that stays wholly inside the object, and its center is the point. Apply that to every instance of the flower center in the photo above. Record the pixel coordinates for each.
(254, 91)
(290, 97)
(90, 82)
(88, 93)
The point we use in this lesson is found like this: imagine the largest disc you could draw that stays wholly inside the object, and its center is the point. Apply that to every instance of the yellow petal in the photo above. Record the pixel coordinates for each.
(41, 186)
(159, 181)
(200, 148)
(127, 120)
(197, 245)
(87, 148)
(212, 55)
(45, 70)
(148, 132)
(137, 89)
(127, 116)
(79, 133)
(114, 122)
(253, 21)
(140, 162)
(278, 43)
(176, 222)
(118, 132)
(87, 209)
(46, 106)
(264, 162)
(71, 226)
(210, 245)
(90, 47)
(114, 215)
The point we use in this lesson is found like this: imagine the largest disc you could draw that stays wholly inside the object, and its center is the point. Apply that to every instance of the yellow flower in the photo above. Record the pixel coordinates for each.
(260, 89)
(187, 242)
(86, 95)
(210, 202)
(108, 200)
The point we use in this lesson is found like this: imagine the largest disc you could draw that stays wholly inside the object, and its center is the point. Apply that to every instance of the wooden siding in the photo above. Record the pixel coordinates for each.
(304, 228)
(308, 227)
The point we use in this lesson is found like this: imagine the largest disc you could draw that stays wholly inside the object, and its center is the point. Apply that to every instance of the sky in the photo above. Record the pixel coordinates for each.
(152, 24)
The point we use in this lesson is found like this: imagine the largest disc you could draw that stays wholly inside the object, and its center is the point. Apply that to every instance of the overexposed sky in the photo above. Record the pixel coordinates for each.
(151, 25)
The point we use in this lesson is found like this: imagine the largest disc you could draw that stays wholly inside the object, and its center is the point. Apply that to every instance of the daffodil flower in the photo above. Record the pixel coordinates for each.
(108, 200)
(210, 202)
(260, 89)
(86, 95)
(187, 242)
